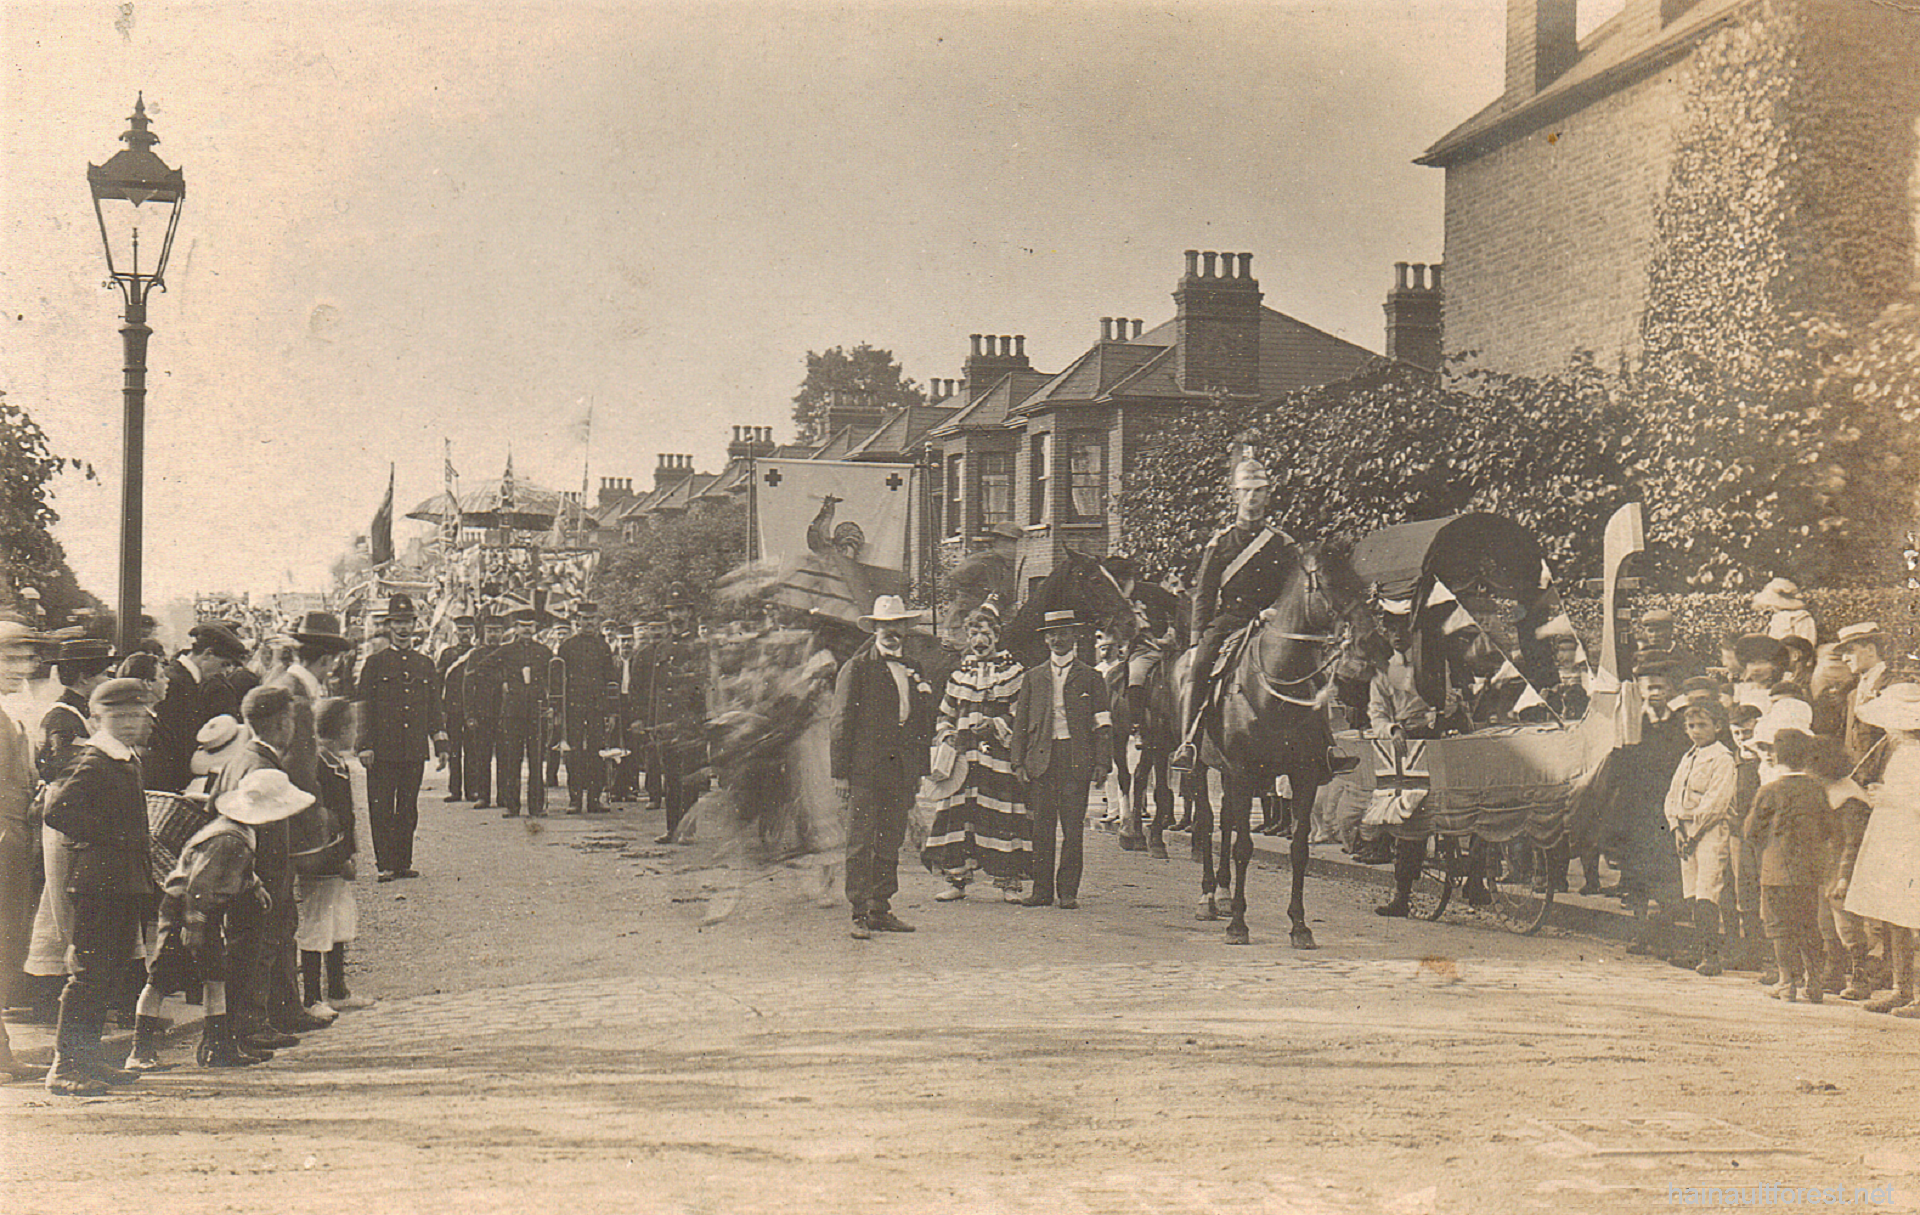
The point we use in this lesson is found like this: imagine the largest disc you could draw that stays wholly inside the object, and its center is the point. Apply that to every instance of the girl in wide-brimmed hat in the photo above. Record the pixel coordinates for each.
(1885, 885)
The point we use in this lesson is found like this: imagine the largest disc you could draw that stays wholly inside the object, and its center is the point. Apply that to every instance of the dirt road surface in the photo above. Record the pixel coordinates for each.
(558, 1031)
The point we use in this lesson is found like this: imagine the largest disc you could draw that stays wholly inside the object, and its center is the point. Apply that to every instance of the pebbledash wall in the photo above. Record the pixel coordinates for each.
(1554, 191)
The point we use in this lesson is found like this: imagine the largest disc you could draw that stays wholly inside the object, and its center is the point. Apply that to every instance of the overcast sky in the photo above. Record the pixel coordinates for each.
(410, 223)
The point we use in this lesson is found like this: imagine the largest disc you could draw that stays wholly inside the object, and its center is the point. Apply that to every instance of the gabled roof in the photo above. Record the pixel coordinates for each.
(1613, 55)
(681, 495)
(990, 409)
(732, 480)
(1293, 354)
(840, 442)
(902, 432)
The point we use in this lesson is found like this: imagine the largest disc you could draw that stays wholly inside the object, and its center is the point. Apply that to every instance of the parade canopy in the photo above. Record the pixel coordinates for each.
(496, 504)
(1476, 552)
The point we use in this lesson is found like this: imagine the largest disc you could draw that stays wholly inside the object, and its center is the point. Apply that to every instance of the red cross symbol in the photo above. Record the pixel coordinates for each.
(894, 482)
(772, 477)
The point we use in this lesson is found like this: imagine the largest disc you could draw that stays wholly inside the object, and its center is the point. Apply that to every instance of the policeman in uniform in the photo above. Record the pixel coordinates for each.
(522, 667)
(451, 668)
(677, 710)
(480, 698)
(399, 702)
(1242, 571)
(583, 708)
(621, 699)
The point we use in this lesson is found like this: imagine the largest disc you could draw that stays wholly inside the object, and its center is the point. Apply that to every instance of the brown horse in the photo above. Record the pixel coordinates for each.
(1264, 725)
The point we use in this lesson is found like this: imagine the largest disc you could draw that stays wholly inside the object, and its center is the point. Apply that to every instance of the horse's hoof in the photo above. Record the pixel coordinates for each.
(1303, 938)
(1132, 843)
(1157, 849)
(1237, 935)
(1206, 910)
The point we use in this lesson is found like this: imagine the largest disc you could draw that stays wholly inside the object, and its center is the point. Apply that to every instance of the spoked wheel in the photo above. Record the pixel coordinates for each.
(1439, 874)
(1511, 869)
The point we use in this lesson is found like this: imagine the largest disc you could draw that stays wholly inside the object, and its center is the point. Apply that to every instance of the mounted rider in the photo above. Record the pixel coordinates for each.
(1242, 571)
(1158, 633)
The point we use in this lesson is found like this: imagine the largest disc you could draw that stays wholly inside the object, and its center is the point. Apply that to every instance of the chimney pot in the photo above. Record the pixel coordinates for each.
(1006, 346)
(1246, 265)
(975, 339)
(1020, 345)
(1106, 329)
(1434, 281)
(1211, 259)
(1419, 276)
(1193, 262)
(1136, 327)
(1400, 276)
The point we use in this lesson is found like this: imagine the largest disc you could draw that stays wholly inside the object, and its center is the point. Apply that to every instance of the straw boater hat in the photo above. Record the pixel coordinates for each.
(889, 609)
(1867, 632)
(1897, 708)
(264, 795)
(1059, 620)
(217, 740)
(1780, 595)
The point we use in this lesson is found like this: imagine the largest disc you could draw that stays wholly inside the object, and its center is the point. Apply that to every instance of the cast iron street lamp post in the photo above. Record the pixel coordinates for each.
(134, 176)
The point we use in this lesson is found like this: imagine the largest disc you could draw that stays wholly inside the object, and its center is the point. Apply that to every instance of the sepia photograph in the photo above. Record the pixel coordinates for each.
(1075, 607)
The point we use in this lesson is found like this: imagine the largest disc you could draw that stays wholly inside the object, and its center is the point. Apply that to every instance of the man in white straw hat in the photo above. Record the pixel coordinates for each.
(881, 731)
(1860, 647)
(214, 871)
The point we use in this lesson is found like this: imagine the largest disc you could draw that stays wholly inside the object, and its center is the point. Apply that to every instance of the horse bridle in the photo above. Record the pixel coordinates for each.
(1336, 644)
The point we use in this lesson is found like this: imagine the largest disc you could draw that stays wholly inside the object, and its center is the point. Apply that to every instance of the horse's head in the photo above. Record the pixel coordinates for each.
(1079, 584)
(1326, 605)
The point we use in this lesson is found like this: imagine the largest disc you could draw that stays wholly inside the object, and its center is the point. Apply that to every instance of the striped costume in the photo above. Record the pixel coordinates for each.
(982, 825)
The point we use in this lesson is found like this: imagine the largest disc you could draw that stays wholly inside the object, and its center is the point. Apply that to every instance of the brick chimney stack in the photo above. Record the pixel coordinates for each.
(615, 489)
(1541, 44)
(672, 470)
(751, 441)
(1217, 324)
(984, 367)
(1415, 311)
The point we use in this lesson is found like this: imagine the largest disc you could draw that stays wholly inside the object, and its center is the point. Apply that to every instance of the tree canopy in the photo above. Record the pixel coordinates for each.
(28, 552)
(635, 578)
(865, 373)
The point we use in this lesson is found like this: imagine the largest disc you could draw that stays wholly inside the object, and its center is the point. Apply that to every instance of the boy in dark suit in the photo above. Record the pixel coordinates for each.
(882, 729)
(1062, 742)
(101, 806)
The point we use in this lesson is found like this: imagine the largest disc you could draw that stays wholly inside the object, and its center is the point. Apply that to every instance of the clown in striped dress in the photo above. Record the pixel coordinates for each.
(980, 825)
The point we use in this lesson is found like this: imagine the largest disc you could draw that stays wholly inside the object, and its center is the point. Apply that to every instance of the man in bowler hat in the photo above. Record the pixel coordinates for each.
(399, 716)
(1062, 743)
(881, 730)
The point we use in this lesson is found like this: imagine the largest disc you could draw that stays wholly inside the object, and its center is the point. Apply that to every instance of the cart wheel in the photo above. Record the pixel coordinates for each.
(1510, 871)
(1439, 874)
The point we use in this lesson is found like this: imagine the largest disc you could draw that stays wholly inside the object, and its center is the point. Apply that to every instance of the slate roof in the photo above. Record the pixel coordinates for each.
(902, 432)
(990, 409)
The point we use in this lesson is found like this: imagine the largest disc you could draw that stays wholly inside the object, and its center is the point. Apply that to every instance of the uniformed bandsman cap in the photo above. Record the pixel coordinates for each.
(1657, 616)
(585, 609)
(489, 621)
(1250, 474)
(464, 622)
(117, 692)
(525, 616)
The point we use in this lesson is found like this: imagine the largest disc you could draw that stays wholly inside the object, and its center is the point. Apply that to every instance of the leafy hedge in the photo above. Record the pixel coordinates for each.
(1702, 618)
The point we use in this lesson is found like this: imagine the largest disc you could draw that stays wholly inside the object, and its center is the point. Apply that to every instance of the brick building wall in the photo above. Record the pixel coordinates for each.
(1548, 237)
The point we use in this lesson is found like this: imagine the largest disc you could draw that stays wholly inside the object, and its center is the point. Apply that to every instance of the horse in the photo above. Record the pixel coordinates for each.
(1320, 625)
(1079, 584)
(1158, 732)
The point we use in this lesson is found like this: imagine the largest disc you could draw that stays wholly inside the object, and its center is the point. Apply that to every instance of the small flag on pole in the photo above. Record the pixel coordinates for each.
(380, 536)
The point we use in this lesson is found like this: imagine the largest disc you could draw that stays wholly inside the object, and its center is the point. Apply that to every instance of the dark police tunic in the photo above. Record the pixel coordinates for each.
(590, 672)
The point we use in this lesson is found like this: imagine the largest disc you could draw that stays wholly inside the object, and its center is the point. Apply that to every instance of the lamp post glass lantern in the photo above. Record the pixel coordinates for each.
(134, 176)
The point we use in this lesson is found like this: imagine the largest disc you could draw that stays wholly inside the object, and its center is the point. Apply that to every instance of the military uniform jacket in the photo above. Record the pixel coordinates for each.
(522, 668)
(451, 668)
(399, 706)
(677, 691)
(591, 671)
(63, 730)
(1241, 573)
(480, 684)
(101, 806)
